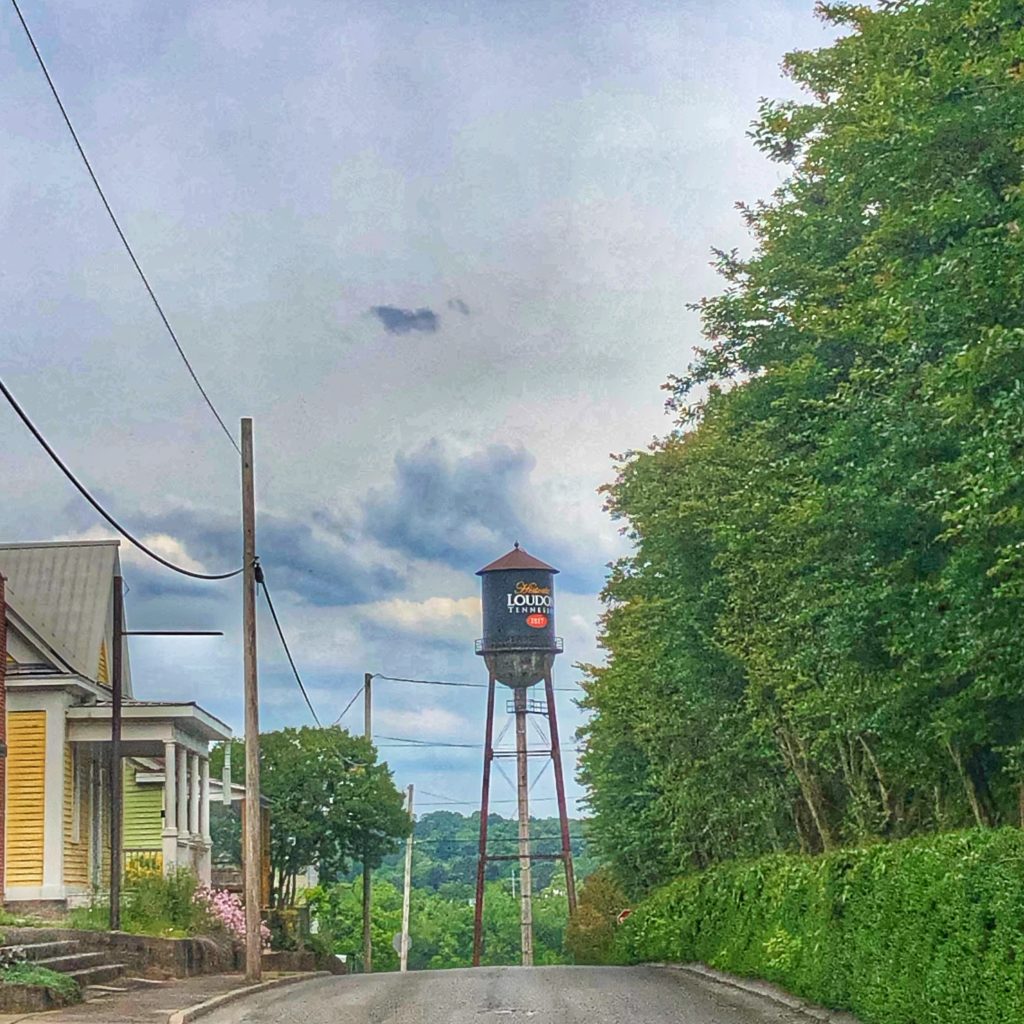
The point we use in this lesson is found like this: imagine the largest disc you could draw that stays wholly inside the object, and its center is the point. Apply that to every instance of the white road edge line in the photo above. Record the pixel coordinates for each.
(191, 1013)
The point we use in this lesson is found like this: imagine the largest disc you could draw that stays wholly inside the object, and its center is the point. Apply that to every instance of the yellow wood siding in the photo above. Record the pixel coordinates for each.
(104, 801)
(26, 795)
(102, 672)
(76, 854)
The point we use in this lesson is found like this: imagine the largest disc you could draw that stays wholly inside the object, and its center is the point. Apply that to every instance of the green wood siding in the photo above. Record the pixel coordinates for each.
(143, 820)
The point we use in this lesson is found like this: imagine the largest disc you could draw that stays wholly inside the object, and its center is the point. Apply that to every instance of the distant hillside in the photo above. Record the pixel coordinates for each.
(446, 852)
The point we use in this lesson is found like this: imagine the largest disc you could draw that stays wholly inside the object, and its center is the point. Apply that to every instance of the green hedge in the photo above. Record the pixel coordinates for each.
(923, 931)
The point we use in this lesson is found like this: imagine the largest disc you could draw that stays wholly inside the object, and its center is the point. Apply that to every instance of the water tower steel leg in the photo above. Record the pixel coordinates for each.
(481, 867)
(523, 790)
(563, 815)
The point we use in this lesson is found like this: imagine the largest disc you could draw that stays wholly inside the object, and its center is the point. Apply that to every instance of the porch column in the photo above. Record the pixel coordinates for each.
(205, 858)
(182, 801)
(193, 796)
(204, 798)
(170, 834)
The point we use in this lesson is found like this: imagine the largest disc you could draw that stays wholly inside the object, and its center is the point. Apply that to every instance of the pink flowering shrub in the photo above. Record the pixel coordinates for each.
(225, 910)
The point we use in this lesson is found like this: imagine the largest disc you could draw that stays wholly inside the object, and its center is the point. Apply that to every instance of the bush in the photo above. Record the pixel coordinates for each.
(174, 905)
(590, 934)
(32, 974)
(923, 931)
(222, 910)
(152, 904)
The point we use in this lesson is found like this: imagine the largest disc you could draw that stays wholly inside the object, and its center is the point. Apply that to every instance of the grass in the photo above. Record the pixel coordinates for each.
(21, 920)
(153, 904)
(43, 977)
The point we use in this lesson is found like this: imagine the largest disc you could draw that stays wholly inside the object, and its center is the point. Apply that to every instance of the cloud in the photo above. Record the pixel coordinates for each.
(463, 510)
(436, 616)
(297, 555)
(402, 321)
(421, 723)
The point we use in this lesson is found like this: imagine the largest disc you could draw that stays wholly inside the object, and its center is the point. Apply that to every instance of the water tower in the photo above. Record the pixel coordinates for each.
(519, 646)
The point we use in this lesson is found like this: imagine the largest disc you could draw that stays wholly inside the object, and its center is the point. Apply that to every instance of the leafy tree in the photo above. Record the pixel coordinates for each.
(815, 640)
(330, 801)
(441, 929)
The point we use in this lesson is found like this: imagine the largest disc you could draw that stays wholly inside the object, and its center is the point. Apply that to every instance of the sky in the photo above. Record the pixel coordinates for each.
(441, 253)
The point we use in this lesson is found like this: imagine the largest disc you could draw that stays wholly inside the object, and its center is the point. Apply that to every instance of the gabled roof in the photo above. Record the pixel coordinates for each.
(64, 591)
(517, 558)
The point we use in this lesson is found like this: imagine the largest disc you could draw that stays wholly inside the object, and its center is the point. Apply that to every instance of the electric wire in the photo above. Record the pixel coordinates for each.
(413, 743)
(284, 643)
(355, 697)
(117, 228)
(468, 686)
(81, 488)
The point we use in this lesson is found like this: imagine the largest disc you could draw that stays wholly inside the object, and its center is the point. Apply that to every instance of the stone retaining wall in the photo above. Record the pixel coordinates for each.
(143, 954)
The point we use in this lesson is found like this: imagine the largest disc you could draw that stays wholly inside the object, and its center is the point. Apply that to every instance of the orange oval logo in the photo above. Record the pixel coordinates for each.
(536, 621)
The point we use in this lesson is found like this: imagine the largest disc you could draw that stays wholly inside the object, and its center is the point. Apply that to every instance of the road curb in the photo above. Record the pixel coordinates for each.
(766, 990)
(191, 1013)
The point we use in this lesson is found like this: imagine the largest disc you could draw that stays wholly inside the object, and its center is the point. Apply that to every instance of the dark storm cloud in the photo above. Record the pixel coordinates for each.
(295, 558)
(461, 510)
(402, 321)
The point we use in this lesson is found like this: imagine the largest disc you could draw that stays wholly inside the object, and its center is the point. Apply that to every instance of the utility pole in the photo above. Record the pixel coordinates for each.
(367, 880)
(525, 868)
(407, 891)
(253, 831)
(485, 796)
(116, 767)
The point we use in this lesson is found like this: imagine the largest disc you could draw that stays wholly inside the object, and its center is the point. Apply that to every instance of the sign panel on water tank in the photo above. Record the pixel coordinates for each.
(519, 609)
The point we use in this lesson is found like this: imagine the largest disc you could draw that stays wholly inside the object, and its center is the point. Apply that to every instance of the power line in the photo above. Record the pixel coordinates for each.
(474, 843)
(80, 487)
(469, 686)
(411, 743)
(407, 741)
(355, 697)
(284, 643)
(117, 228)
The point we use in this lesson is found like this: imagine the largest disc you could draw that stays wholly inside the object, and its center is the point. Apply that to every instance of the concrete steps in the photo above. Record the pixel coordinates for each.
(68, 957)
(101, 974)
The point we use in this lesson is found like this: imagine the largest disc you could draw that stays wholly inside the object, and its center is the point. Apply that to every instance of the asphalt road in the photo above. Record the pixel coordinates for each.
(509, 995)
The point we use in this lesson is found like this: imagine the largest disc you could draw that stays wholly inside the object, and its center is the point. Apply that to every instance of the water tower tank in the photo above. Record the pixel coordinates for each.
(519, 642)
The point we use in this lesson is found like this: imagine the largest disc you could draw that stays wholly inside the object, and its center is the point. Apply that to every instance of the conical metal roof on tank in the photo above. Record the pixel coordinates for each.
(517, 558)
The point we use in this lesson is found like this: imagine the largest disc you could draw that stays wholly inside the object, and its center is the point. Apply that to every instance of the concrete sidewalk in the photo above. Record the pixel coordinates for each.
(152, 1003)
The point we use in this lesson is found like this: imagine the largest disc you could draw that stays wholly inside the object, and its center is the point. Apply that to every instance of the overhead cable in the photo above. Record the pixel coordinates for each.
(117, 228)
(469, 686)
(284, 643)
(80, 487)
(411, 743)
(355, 697)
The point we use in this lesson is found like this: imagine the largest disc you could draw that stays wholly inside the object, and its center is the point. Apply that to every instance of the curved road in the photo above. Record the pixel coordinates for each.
(509, 995)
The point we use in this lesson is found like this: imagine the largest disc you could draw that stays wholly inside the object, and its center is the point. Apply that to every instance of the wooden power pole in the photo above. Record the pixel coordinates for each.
(407, 889)
(252, 839)
(116, 776)
(367, 880)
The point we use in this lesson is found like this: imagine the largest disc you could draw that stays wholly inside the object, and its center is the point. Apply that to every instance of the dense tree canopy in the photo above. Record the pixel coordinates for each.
(816, 639)
(447, 845)
(330, 801)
